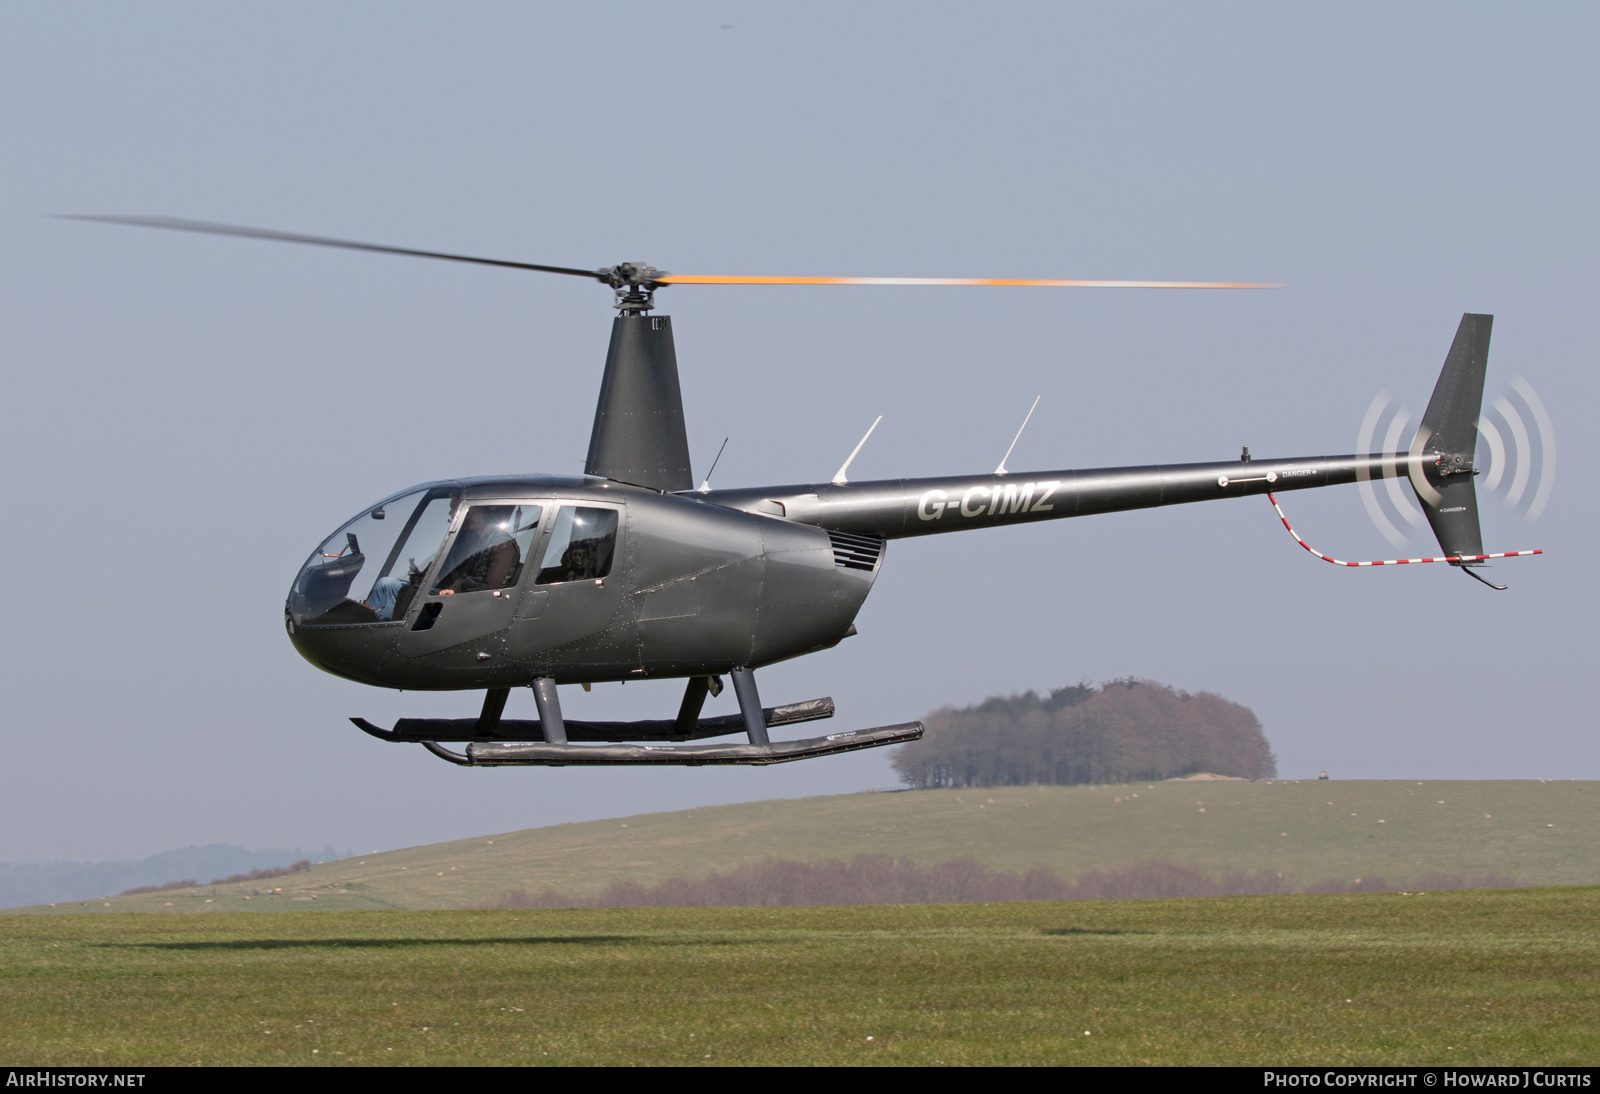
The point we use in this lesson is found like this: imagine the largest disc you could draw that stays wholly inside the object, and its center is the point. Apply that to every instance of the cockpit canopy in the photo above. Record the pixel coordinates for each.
(375, 566)
(360, 573)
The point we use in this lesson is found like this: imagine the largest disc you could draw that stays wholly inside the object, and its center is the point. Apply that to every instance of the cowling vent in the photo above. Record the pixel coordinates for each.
(856, 550)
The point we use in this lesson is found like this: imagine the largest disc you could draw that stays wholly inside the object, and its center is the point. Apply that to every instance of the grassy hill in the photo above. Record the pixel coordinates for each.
(1539, 833)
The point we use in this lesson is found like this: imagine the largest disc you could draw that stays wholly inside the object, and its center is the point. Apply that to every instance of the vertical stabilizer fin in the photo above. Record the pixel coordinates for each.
(1449, 436)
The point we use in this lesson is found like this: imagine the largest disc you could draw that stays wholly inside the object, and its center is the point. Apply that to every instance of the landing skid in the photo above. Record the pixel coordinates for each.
(481, 754)
(418, 730)
(552, 736)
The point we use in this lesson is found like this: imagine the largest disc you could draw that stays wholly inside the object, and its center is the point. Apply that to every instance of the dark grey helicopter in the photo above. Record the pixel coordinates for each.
(628, 572)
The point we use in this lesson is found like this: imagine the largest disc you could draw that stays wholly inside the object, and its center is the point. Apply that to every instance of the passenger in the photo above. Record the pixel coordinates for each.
(491, 557)
(578, 561)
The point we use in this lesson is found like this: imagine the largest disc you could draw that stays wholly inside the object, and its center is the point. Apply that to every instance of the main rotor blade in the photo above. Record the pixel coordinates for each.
(720, 279)
(178, 224)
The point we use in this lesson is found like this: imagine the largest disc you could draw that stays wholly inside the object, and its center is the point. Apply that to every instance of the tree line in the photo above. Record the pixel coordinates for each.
(1122, 731)
(301, 867)
(880, 879)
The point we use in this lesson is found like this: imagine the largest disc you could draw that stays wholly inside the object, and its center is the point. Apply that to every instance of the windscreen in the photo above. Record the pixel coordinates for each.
(370, 569)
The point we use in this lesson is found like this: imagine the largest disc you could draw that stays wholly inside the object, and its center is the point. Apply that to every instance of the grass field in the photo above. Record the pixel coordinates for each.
(1539, 833)
(1487, 977)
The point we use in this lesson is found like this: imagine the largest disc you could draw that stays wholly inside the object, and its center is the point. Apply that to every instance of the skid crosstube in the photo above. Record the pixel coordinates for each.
(419, 730)
(481, 754)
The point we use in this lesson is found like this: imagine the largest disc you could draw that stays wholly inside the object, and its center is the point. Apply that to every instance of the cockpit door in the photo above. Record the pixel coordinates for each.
(470, 592)
(578, 590)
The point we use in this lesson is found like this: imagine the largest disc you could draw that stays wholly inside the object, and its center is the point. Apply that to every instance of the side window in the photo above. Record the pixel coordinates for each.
(489, 550)
(582, 544)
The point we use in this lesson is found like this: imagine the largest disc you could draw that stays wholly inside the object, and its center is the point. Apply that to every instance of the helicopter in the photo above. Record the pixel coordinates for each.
(631, 572)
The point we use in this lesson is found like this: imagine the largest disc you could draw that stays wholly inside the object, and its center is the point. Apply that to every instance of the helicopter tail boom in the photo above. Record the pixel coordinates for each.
(1438, 464)
(902, 508)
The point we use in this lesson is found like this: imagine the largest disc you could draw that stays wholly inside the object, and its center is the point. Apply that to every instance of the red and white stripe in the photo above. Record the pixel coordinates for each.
(1391, 561)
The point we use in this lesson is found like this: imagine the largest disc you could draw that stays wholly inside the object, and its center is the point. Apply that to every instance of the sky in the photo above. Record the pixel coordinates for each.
(187, 416)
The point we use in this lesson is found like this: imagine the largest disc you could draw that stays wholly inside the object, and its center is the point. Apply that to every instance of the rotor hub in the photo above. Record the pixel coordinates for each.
(635, 284)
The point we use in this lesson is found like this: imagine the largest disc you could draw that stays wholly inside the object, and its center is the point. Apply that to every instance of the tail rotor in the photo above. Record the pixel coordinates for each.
(1440, 460)
(1513, 433)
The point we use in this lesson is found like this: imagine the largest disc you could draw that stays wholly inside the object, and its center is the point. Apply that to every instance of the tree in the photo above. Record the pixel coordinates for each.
(1122, 731)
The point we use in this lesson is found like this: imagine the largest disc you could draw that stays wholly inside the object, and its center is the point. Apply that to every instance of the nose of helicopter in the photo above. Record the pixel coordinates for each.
(366, 574)
(365, 654)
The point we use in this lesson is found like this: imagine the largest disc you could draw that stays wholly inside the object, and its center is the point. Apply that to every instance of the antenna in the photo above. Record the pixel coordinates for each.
(705, 483)
(1001, 470)
(839, 479)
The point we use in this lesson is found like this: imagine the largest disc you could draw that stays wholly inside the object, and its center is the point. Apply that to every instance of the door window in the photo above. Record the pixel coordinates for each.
(582, 545)
(489, 550)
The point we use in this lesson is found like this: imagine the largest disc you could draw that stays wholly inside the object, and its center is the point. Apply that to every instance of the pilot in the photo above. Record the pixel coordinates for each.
(385, 595)
(382, 597)
(491, 557)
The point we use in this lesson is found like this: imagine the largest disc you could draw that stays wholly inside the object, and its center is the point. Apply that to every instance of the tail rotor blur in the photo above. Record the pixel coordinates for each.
(1382, 411)
(1530, 459)
(1516, 439)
